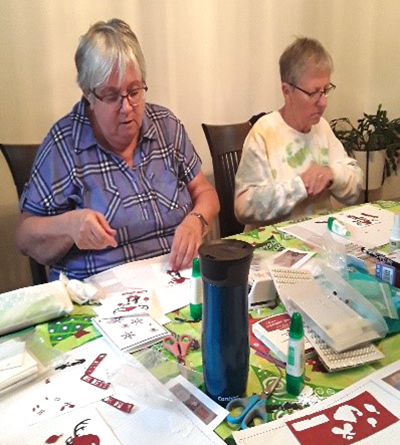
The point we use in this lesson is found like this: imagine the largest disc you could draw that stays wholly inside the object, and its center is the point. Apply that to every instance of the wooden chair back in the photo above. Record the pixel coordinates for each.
(20, 160)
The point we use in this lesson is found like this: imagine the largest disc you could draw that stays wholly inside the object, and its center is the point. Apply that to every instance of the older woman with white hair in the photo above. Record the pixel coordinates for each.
(291, 161)
(117, 179)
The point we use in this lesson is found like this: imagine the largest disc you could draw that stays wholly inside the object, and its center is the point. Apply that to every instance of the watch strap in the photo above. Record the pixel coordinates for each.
(203, 221)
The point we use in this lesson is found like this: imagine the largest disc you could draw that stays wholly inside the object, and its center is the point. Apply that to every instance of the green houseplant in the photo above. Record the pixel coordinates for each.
(373, 133)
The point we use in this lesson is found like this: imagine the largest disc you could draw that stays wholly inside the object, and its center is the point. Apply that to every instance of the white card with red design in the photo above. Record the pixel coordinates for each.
(365, 413)
(171, 288)
(347, 423)
(134, 301)
(84, 378)
(82, 427)
(368, 225)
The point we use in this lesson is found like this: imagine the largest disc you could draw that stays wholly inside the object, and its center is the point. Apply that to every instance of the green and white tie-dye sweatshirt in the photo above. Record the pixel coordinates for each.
(268, 183)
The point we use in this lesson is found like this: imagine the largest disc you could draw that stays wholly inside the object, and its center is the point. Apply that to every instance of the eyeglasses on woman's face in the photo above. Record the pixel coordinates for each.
(114, 99)
(316, 95)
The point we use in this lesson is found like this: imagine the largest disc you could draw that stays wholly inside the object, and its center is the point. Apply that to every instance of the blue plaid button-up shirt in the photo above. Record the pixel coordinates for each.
(144, 204)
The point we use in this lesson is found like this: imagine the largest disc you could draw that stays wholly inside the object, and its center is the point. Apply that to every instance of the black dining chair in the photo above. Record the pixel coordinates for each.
(225, 143)
(20, 159)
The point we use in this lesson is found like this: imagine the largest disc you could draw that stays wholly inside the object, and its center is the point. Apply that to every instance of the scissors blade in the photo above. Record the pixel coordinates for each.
(270, 388)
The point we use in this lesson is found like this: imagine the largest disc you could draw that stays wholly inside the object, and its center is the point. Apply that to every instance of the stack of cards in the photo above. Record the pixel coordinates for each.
(273, 331)
(130, 334)
(17, 366)
(125, 322)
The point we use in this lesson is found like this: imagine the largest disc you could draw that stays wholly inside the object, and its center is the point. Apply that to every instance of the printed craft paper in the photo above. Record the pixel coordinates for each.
(344, 424)
(135, 301)
(82, 427)
(369, 226)
(171, 288)
(83, 379)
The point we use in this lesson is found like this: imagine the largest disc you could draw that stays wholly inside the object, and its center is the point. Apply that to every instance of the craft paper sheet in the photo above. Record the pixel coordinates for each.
(158, 417)
(91, 419)
(202, 410)
(82, 427)
(359, 418)
(365, 413)
(171, 289)
(84, 381)
(369, 226)
(75, 383)
(135, 301)
(152, 425)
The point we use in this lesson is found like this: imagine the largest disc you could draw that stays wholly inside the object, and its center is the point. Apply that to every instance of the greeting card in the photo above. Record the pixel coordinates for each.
(132, 333)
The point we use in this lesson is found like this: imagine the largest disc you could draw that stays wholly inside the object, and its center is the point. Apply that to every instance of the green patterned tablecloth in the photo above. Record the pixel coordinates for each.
(76, 329)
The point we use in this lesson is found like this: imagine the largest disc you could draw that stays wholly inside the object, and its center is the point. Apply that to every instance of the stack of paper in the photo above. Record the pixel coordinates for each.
(17, 366)
(130, 333)
(125, 322)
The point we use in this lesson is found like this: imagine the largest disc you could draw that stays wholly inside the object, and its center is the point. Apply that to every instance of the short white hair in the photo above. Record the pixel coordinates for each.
(104, 46)
(300, 55)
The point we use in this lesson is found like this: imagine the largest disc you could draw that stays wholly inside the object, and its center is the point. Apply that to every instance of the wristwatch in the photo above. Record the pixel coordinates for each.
(203, 221)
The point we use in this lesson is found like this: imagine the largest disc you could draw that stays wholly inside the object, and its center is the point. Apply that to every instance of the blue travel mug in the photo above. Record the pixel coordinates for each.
(225, 268)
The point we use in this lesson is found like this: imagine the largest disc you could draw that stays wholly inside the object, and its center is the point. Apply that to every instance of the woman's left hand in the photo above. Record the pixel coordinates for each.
(187, 239)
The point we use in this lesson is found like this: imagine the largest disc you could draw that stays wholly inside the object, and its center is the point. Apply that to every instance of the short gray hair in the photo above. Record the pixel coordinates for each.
(101, 48)
(301, 54)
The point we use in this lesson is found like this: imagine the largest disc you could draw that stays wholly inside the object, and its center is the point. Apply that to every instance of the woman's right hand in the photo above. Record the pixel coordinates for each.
(90, 230)
(316, 179)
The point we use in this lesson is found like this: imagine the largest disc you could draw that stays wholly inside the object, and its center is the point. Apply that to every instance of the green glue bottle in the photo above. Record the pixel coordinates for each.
(295, 361)
(196, 291)
(336, 226)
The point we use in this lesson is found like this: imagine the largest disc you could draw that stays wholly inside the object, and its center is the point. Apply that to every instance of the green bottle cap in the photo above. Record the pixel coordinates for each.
(196, 311)
(196, 268)
(296, 329)
(294, 385)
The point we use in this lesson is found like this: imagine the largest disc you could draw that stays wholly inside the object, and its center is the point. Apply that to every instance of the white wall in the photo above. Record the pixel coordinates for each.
(213, 61)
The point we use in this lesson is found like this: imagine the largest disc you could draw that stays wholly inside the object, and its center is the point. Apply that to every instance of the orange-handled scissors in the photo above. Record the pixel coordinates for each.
(178, 346)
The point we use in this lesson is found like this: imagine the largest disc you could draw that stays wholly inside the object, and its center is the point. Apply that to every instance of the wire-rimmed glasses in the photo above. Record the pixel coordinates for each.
(316, 95)
(114, 99)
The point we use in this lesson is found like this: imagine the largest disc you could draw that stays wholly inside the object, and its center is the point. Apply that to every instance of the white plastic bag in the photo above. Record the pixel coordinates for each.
(31, 305)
